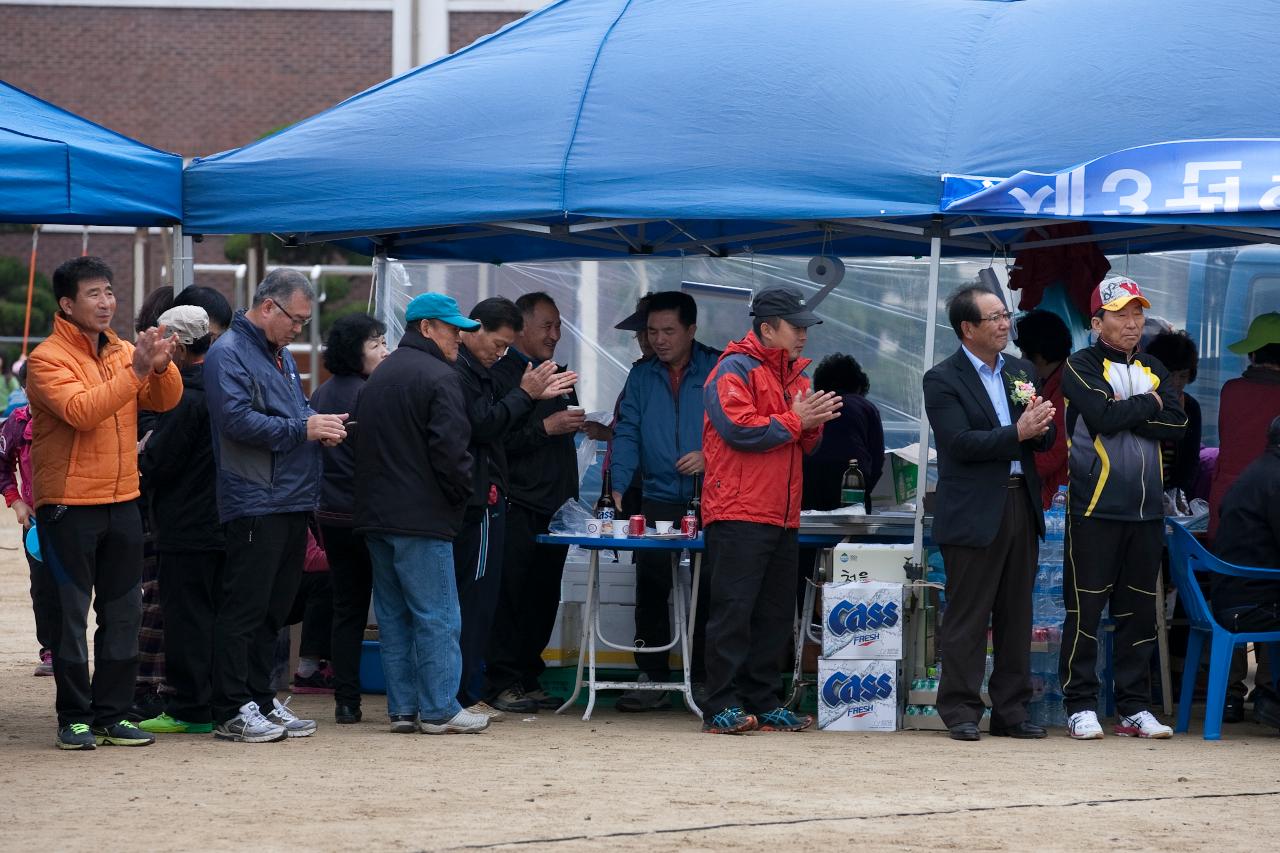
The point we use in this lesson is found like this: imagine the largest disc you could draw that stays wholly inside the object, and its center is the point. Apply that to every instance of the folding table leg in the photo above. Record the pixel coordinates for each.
(593, 595)
(583, 640)
(689, 626)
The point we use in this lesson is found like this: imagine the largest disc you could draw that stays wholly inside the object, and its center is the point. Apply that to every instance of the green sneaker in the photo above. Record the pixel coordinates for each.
(166, 725)
(123, 733)
(76, 736)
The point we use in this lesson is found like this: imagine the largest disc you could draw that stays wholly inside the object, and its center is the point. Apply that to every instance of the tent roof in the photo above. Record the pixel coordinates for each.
(59, 168)
(606, 128)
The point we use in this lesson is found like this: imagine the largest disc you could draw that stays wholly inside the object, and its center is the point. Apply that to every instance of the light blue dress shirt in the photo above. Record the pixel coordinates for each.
(993, 381)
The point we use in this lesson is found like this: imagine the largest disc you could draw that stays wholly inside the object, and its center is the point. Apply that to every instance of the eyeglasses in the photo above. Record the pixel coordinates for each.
(997, 317)
(300, 322)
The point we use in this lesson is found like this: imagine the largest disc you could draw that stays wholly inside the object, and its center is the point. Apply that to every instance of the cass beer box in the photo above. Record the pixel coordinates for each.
(862, 561)
(862, 621)
(857, 695)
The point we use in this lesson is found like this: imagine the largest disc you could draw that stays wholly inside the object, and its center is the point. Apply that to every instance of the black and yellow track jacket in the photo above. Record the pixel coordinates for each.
(1114, 429)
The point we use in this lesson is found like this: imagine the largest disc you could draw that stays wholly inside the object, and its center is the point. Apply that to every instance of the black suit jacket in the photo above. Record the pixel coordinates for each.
(974, 451)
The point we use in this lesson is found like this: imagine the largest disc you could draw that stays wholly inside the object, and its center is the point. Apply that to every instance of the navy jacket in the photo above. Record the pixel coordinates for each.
(656, 427)
(259, 419)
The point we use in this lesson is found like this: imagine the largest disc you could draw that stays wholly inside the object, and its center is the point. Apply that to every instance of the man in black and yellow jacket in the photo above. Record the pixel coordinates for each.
(1119, 408)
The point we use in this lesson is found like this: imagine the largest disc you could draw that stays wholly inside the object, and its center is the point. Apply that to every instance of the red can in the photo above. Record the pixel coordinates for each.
(689, 526)
(635, 526)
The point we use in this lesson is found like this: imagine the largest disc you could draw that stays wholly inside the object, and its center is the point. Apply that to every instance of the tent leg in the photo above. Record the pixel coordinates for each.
(381, 297)
(931, 323)
(181, 272)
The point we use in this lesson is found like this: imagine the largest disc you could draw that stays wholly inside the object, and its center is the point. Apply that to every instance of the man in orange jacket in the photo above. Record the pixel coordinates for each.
(85, 387)
(760, 420)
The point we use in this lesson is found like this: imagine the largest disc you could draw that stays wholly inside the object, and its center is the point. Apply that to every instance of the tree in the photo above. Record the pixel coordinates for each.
(13, 303)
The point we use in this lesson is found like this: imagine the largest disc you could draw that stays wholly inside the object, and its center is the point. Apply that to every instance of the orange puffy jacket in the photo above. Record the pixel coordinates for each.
(751, 439)
(84, 410)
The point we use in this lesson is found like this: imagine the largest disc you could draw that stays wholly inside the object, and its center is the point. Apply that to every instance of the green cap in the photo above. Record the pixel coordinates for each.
(1264, 330)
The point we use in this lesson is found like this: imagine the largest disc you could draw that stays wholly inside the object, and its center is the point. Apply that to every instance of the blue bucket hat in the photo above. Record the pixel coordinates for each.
(437, 306)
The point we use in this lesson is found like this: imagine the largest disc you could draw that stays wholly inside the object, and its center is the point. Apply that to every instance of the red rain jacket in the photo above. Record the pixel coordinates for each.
(751, 439)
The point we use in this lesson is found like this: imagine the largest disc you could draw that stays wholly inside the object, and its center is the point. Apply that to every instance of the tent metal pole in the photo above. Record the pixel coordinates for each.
(382, 289)
(931, 322)
(178, 270)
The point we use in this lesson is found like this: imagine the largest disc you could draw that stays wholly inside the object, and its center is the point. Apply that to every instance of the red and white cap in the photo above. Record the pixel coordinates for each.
(1115, 292)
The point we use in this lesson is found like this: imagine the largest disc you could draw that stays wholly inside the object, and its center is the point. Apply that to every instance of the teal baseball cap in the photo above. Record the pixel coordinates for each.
(438, 306)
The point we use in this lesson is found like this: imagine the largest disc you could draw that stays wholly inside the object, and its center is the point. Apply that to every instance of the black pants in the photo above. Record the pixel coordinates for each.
(189, 583)
(653, 615)
(1113, 562)
(259, 584)
(477, 568)
(313, 607)
(351, 575)
(44, 602)
(991, 584)
(527, 603)
(94, 551)
(752, 604)
(1247, 619)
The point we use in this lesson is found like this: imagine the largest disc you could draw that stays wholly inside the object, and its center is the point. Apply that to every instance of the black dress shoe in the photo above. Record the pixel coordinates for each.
(964, 731)
(1023, 730)
(346, 714)
(1233, 710)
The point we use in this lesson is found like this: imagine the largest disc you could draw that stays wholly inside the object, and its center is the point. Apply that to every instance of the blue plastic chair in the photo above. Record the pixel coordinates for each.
(1186, 557)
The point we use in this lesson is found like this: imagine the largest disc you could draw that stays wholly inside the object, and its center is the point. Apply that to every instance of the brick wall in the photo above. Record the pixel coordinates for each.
(193, 81)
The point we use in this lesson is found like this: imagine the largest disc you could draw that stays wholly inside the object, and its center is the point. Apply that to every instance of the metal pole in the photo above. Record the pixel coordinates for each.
(931, 322)
(180, 272)
(316, 285)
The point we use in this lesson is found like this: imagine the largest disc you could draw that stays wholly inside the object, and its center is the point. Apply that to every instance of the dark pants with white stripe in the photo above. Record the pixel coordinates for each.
(1112, 562)
(94, 551)
(477, 566)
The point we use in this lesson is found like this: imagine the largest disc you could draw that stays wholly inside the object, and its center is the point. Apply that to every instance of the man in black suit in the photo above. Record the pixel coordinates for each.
(988, 421)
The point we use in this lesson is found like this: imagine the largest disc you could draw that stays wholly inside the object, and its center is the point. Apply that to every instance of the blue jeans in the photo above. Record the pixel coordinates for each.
(416, 599)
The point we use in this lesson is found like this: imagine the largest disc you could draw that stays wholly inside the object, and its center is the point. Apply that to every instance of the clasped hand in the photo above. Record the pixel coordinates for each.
(1035, 419)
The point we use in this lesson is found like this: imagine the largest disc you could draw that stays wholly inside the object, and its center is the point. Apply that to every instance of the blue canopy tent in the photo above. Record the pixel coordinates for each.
(623, 128)
(58, 168)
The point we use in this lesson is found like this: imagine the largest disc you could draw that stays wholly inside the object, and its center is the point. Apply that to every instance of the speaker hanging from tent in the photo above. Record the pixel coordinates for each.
(825, 270)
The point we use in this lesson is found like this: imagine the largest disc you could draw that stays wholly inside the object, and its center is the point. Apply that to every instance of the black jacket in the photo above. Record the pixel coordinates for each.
(178, 469)
(974, 451)
(337, 484)
(491, 416)
(543, 468)
(1114, 430)
(857, 434)
(1249, 534)
(411, 445)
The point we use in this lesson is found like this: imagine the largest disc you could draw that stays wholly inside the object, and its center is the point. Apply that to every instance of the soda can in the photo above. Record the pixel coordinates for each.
(689, 526)
(635, 526)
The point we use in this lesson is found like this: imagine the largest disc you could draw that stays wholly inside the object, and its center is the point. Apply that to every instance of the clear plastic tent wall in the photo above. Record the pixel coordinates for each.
(876, 314)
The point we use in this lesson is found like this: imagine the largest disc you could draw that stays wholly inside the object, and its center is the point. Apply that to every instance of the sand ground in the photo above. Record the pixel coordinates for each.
(618, 782)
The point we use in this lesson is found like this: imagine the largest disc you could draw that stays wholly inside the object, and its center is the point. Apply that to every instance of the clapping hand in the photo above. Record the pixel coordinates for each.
(816, 409)
(1035, 419)
(543, 382)
(152, 352)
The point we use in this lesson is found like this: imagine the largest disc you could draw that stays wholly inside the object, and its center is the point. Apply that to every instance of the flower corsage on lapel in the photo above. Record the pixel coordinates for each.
(1021, 390)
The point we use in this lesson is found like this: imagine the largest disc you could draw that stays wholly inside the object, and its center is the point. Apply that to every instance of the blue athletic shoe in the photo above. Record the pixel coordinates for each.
(730, 721)
(782, 720)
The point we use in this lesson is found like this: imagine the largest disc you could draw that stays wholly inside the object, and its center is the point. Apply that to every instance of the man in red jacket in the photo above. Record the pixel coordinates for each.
(760, 420)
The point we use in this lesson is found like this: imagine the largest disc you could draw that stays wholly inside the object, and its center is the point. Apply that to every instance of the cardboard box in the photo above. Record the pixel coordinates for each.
(862, 621)
(857, 696)
(903, 480)
(865, 561)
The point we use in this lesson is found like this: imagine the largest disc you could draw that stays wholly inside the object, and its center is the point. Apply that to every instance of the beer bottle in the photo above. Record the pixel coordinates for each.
(853, 489)
(606, 510)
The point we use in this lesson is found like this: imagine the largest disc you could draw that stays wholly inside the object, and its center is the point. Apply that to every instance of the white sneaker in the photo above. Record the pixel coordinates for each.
(462, 723)
(249, 726)
(286, 719)
(487, 710)
(1083, 725)
(1142, 724)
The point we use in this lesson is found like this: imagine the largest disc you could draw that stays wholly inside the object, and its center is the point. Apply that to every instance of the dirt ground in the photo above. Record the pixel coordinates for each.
(618, 782)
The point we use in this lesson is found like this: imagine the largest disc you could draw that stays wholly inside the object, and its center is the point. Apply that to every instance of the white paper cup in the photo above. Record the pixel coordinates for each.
(663, 526)
(593, 527)
(575, 408)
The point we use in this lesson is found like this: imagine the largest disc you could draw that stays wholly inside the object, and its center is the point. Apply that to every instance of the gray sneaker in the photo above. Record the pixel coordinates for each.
(462, 723)
(249, 726)
(76, 736)
(635, 701)
(404, 724)
(289, 721)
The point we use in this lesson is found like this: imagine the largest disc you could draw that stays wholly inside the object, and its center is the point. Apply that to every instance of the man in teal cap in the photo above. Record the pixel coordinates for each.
(411, 451)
